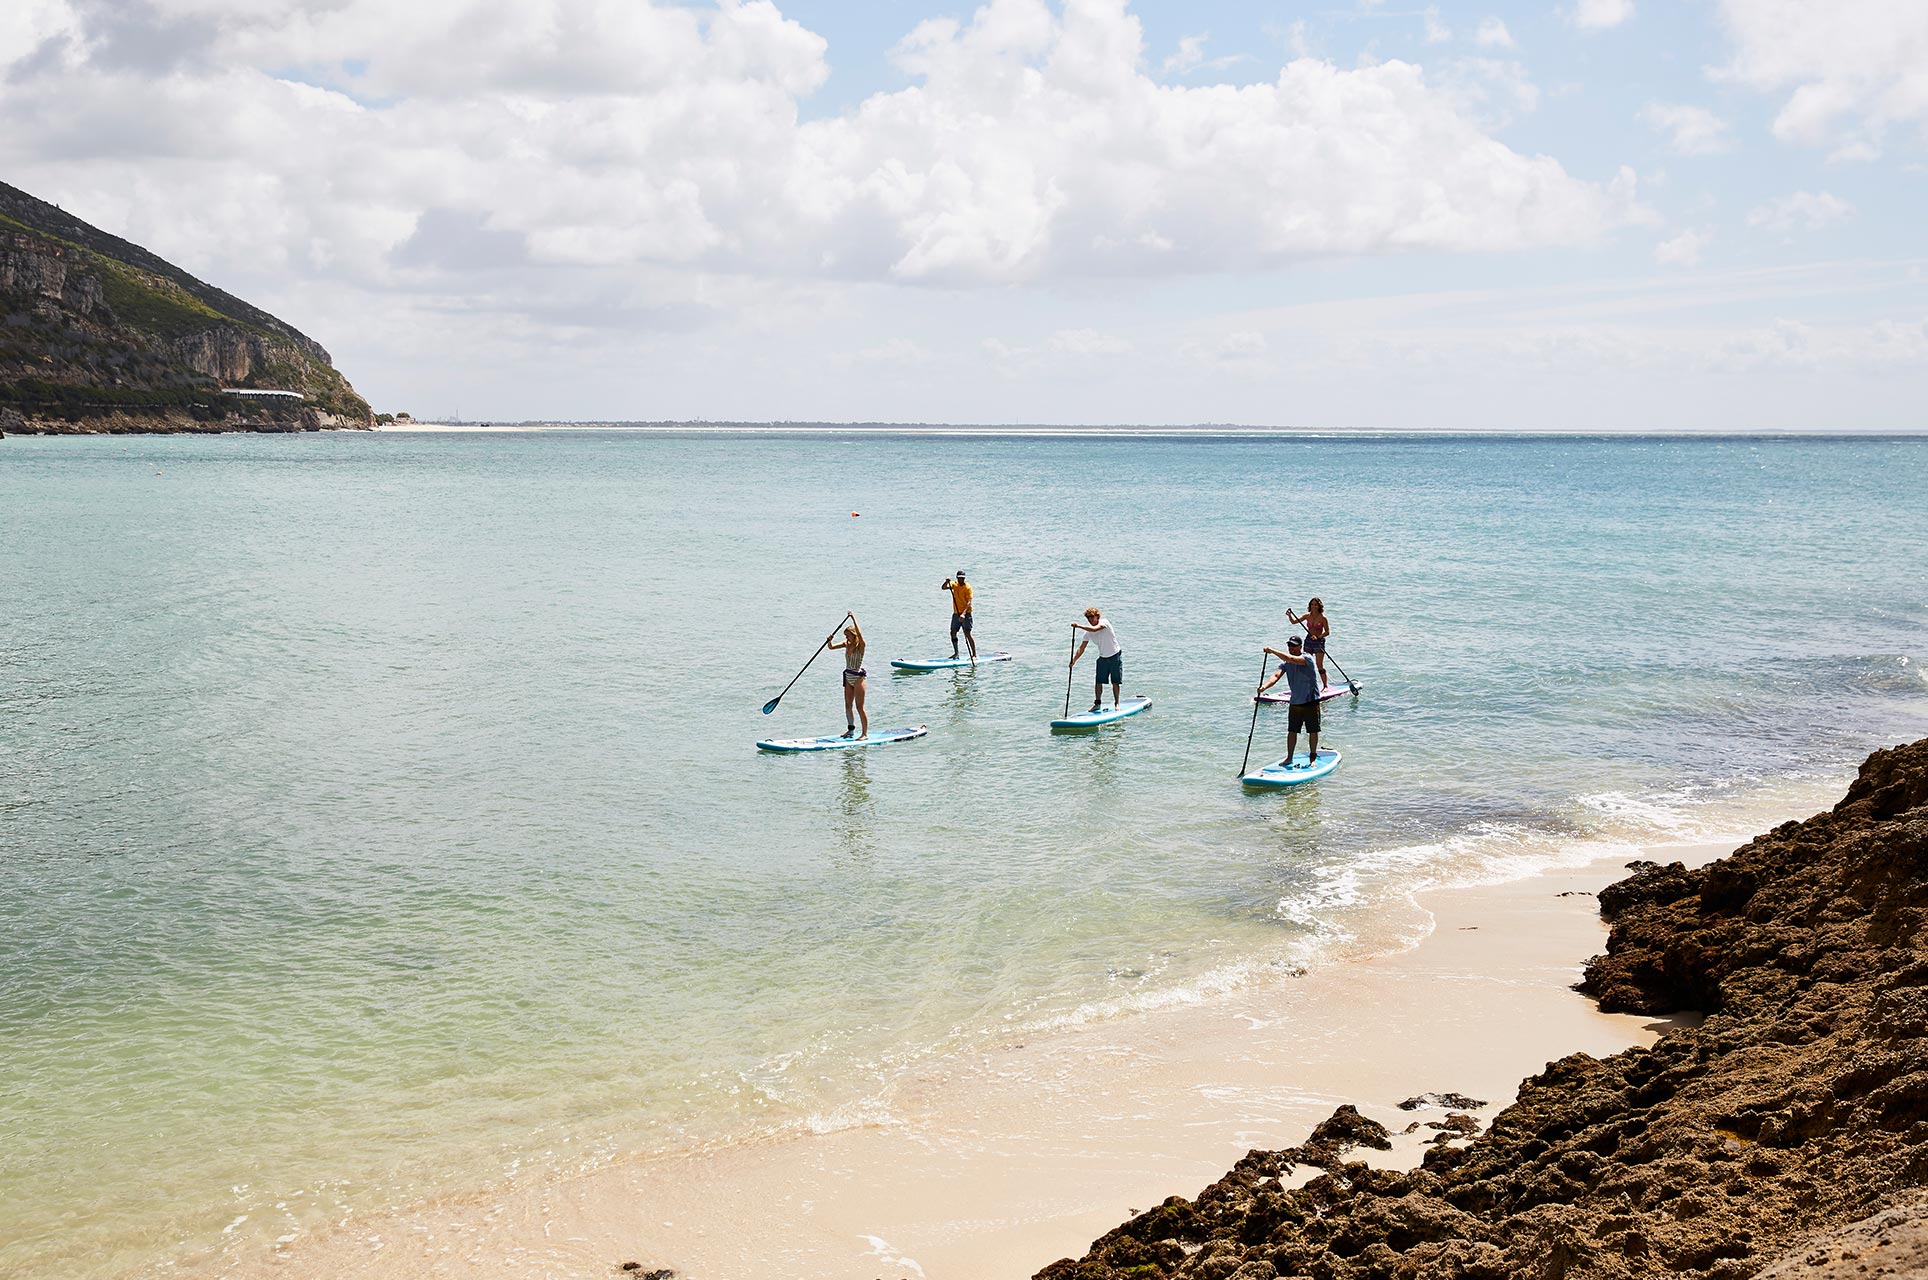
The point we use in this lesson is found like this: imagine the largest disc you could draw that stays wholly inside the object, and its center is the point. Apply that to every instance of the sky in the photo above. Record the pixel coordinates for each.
(1585, 215)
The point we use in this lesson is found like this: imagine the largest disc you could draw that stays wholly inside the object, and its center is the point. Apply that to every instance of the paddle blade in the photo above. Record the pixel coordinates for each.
(771, 705)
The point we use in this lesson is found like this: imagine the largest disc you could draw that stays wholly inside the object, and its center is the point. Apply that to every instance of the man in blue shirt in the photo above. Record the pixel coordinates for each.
(1302, 679)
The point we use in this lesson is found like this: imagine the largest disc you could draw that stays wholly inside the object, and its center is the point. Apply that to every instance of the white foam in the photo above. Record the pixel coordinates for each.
(882, 1251)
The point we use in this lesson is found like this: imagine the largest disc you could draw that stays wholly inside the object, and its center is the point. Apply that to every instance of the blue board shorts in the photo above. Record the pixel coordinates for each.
(1315, 646)
(1112, 670)
(961, 622)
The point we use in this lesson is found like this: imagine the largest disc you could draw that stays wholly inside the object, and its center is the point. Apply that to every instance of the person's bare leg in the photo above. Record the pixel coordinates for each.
(862, 715)
(972, 641)
(1311, 749)
(849, 719)
(1117, 687)
(1291, 741)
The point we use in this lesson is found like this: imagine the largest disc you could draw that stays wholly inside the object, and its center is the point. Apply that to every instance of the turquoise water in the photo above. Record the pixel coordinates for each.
(379, 813)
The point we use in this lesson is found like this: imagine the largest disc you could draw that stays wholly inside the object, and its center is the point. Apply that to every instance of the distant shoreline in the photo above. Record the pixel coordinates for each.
(1194, 431)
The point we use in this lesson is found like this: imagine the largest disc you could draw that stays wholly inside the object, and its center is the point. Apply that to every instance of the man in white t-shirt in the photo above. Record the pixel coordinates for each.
(1111, 659)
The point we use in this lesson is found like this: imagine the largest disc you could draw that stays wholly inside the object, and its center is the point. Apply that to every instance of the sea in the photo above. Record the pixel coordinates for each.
(381, 817)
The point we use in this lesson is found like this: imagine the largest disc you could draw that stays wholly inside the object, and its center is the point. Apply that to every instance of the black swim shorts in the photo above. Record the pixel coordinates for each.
(1304, 718)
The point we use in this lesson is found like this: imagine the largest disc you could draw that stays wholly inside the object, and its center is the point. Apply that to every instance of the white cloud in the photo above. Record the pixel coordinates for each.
(1190, 57)
(1187, 57)
(1601, 15)
(1493, 34)
(897, 352)
(1802, 210)
(1437, 32)
(1852, 70)
(1088, 342)
(1493, 91)
(658, 149)
(1683, 250)
(1236, 347)
(1690, 130)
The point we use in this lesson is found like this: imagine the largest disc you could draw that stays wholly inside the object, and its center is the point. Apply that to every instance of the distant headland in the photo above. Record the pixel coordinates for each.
(98, 335)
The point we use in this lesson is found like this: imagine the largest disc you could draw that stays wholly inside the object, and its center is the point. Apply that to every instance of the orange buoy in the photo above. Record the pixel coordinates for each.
(853, 515)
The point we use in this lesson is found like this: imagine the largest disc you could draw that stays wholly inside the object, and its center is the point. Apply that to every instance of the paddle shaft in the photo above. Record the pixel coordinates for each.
(1247, 758)
(1067, 671)
(771, 705)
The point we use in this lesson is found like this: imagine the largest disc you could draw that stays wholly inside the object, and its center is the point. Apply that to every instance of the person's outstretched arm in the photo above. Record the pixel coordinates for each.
(1081, 648)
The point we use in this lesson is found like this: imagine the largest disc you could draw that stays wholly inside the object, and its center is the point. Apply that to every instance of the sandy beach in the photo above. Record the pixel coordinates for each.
(998, 1164)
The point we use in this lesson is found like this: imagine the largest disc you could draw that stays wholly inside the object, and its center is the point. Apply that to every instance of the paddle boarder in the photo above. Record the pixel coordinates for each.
(1317, 628)
(853, 678)
(1301, 677)
(1111, 659)
(960, 612)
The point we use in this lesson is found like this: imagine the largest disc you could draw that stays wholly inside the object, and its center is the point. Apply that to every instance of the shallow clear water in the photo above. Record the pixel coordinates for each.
(380, 813)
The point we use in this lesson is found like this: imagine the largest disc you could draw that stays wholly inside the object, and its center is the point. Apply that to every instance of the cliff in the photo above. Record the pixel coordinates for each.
(97, 334)
(1786, 1134)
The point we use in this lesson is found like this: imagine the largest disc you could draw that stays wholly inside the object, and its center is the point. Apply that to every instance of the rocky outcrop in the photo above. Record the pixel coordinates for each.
(97, 334)
(1892, 1243)
(35, 269)
(1797, 1107)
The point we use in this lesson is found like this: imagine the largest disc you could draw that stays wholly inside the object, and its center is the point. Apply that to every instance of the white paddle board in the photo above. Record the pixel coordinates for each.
(942, 664)
(837, 742)
(1105, 715)
(1291, 775)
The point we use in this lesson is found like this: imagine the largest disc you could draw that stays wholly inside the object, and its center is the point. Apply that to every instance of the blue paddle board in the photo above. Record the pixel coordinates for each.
(1300, 770)
(942, 664)
(1326, 694)
(1092, 719)
(836, 742)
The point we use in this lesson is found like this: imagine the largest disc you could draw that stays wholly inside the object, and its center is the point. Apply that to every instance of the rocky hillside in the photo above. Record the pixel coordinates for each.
(1785, 1135)
(97, 334)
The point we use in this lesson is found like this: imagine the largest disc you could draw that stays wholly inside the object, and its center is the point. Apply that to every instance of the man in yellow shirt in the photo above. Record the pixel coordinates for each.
(960, 612)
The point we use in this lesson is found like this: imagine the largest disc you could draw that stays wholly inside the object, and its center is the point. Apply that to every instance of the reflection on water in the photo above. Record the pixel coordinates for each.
(856, 817)
(965, 695)
(1101, 750)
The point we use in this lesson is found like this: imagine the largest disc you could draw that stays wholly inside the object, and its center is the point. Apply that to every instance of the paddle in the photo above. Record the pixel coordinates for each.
(771, 705)
(1067, 670)
(1255, 715)
(1350, 682)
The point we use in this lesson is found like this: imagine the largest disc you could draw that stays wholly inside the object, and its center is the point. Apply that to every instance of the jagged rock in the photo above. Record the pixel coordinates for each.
(1893, 1242)
(1800, 1104)
(1451, 1101)
(1346, 1128)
